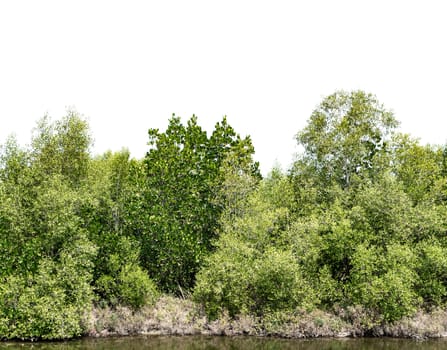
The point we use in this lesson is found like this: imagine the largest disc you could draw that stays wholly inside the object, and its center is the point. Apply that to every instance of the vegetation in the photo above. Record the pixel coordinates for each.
(355, 229)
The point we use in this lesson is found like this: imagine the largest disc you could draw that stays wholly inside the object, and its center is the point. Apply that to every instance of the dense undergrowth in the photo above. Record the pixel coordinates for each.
(350, 240)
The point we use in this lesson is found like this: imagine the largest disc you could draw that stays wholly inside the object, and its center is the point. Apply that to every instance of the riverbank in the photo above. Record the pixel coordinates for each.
(174, 316)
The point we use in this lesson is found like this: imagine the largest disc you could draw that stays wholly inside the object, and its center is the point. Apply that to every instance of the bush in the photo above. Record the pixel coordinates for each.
(44, 316)
(277, 284)
(384, 281)
(239, 279)
(432, 270)
(223, 281)
(40, 307)
(131, 287)
(135, 288)
(52, 303)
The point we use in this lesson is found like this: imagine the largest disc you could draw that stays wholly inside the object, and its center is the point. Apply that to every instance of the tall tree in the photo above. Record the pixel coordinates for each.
(47, 266)
(183, 178)
(62, 147)
(344, 134)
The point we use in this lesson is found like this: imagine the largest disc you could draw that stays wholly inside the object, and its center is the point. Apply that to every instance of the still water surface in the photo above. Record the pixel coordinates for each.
(221, 343)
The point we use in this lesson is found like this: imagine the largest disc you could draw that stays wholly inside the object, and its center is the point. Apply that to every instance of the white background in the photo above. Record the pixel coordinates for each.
(128, 65)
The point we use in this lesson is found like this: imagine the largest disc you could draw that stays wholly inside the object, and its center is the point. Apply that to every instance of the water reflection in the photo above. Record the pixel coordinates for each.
(224, 343)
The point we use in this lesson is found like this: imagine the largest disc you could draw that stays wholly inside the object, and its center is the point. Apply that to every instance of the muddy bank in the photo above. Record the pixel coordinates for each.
(174, 316)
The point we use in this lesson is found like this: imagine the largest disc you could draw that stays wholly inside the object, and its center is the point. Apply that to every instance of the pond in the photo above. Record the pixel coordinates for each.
(221, 343)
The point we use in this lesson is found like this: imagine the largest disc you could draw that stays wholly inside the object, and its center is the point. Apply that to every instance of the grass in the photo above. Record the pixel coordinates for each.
(176, 316)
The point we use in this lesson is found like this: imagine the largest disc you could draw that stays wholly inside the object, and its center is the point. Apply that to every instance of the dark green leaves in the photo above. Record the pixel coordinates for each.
(183, 169)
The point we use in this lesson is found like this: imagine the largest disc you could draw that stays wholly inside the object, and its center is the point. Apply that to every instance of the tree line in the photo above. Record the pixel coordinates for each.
(358, 221)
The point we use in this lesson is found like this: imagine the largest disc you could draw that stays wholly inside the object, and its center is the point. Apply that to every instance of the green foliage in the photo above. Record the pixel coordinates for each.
(352, 253)
(382, 210)
(119, 278)
(239, 279)
(115, 251)
(432, 271)
(278, 284)
(305, 239)
(62, 147)
(183, 174)
(417, 167)
(359, 222)
(346, 139)
(369, 209)
(251, 270)
(384, 280)
(223, 281)
(135, 288)
(29, 314)
(113, 211)
(52, 303)
(47, 256)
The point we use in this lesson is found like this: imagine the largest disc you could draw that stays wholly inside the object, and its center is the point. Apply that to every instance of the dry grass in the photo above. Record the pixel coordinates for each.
(175, 316)
(313, 324)
(168, 316)
(420, 326)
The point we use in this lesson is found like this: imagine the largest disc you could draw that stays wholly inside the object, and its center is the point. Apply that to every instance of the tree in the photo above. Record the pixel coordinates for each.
(62, 147)
(418, 167)
(253, 269)
(183, 177)
(344, 135)
(383, 280)
(17, 192)
(48, 257)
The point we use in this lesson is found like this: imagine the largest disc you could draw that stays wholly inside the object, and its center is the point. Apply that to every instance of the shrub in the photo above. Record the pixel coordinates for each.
(432, 270)
(223, 281)
(384, 281)
(277, 284)
(241, 280)
(131, 287)
(53, 302)
(135, 288)
(39, 307)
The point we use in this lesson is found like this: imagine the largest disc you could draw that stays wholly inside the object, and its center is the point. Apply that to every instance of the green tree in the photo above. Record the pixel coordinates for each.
(383, 280)
(16, 199)
(53, 302)
(183, 177)
(113, 212)
(62, 147)
(48, 258)
(432, 271)
(253, 270)
(344, 135)
(418, 167)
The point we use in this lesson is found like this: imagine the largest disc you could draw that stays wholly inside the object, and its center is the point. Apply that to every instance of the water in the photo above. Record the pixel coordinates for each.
(224, 343)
